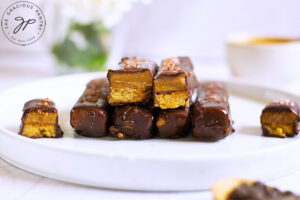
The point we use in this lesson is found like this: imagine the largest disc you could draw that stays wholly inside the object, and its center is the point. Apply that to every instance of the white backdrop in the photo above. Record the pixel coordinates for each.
(197, 28)
(200, 27)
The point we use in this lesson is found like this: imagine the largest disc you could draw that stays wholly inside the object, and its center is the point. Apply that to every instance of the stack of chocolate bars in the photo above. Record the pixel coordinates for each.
(141, 99)
(130, 90)
(173, 86)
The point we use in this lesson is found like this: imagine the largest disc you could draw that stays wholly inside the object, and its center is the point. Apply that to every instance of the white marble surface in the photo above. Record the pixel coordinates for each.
(18, 184)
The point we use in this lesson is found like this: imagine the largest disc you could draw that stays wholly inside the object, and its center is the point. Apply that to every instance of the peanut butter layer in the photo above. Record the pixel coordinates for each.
(280, 119)
(172, 100)
(132, 82)
(40, 119)
(38, 131)
(174, 83)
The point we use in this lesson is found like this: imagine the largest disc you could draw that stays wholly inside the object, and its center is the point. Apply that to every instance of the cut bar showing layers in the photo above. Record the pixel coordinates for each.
(280, 119)
(132, 82)
(40, 119)
(242, 189)
(89, 116)
(211, 119)
(174, 83)
(132, 121)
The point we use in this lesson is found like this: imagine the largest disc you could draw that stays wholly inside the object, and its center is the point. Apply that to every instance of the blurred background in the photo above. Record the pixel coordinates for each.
(93, 35)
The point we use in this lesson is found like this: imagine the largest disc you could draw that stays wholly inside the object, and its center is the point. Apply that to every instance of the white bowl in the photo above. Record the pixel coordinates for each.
(269, 62)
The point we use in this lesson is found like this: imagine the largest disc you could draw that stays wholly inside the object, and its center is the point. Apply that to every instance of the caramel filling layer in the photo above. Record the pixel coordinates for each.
(279, 124)
(40, 118)
(130, 87)
(169, 84)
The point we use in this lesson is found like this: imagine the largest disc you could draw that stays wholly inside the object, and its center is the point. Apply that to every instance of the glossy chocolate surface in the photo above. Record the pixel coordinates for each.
(136, 64)
(132, 121)
(89, 116)
(173, 123)
(45, 105)
(211, 119)
(283, 105)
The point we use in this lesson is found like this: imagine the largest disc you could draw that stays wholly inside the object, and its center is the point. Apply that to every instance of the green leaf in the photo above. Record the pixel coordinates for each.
(92, 57)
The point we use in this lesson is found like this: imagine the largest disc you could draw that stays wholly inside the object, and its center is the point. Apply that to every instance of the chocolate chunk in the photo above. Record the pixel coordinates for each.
(132, 82)
(174, 83)
(89, 116)
(241, 189)
(280, 119)
(40, 119)
(173, 123)
(211, 119)
(132, 121)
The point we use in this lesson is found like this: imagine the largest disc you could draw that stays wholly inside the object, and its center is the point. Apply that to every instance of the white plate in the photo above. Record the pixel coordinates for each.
(155, 164)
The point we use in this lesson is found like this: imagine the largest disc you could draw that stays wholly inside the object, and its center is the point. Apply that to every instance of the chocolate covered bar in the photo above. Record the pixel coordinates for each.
(173, 123)
(132, 82)
(40, 119)
(132, 121)
(280, 119)
(174, 83)
(89, 116)
(211, 119)
(241, 189)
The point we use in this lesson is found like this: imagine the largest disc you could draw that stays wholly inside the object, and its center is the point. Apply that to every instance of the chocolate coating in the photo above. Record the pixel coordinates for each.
(132, 121)
(136, 64)
(259, 191)
(45, 105)
(173, 123)
(283, 112)
(211, 119)
(89, 116)
(40, 106)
